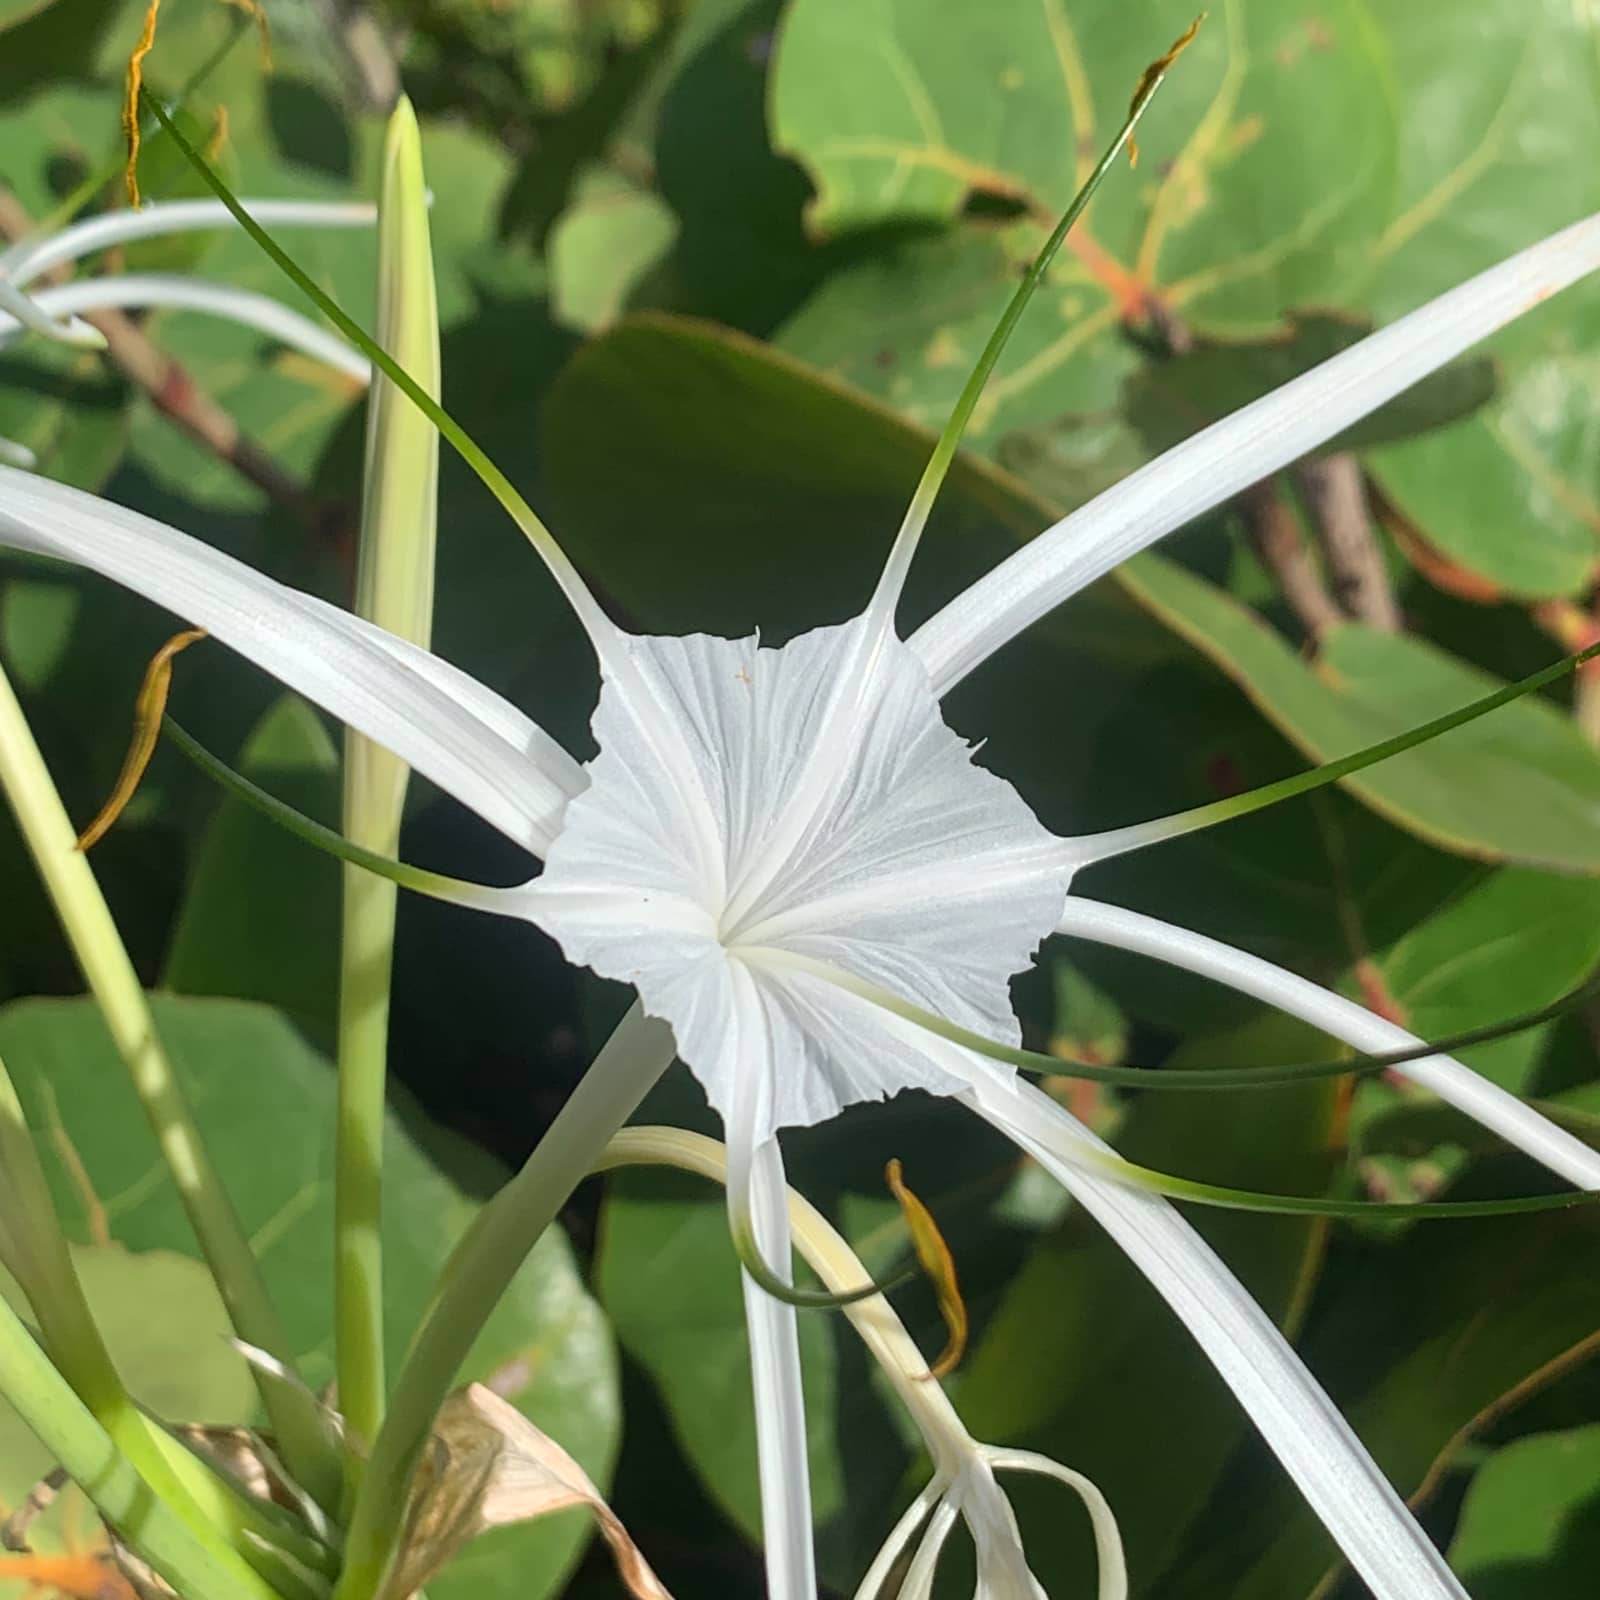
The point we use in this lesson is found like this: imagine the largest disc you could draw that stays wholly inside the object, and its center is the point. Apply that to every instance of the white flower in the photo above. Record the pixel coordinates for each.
(757, 819)
(747, 803)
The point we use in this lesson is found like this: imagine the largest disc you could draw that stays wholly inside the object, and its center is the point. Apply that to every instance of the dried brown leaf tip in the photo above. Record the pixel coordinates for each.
(486, 1467)
(935, 1259)
(1152, 76)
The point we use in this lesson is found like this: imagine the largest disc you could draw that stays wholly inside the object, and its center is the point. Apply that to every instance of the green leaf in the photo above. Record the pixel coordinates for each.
(1512, 942)
(164, 1324)
(1496, 123)
(1520, 785)
(166, 1329)
(901, 110)
(15, 11)
(260, 916)
(611, 235)
(1528, 1524)
(906, 325)
(264, 1103)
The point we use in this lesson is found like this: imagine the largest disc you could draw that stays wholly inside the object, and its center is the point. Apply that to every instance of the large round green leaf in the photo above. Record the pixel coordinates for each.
(1246, 202)
(1519, 785)
(1529, 1525)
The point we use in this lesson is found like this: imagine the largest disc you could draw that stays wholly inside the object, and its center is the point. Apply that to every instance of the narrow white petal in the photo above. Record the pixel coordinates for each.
(1317, 1447)
(31, 258)
(919, 1579)
(462, 736)
(1229, 456)
(1112, 1563)
(779, 1400)
(889, 1552)
(1003, 1571)
(152, 289)
(1485, 1102)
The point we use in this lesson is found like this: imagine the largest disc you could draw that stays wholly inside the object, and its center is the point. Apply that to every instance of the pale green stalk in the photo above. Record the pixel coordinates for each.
(66, 1427)
(35, 1252)
(303, 1444)
(394, 588)
(478, 1273)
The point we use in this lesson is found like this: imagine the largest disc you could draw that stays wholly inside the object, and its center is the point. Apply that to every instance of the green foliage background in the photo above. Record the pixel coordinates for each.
(709, 272)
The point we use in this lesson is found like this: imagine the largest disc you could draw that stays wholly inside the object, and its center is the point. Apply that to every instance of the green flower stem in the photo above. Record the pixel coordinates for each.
(435, 885)
(196, 1567)
(1191, 1078)
(475, 1277)
(1223, 1198)
(1093, 847)
(824, 1249)
(303, 1443)
(949, 441)
(394, 588)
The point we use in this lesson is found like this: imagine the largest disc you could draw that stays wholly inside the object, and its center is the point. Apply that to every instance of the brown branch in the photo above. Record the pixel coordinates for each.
(1336, 497)
(1275, 536)
(174, 392)
(364, 54)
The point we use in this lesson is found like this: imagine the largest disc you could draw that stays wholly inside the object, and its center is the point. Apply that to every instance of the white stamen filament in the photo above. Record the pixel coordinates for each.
(149, 290)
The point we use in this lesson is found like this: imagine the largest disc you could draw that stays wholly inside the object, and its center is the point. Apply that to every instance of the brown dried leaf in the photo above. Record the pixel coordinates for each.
(487, 1467)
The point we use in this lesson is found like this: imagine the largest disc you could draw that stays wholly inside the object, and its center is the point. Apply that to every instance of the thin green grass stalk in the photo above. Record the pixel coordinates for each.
(35, 1252)
(394, 588)
(303, 1443)
(48, 1404)
(478, 1273)
(949, 440)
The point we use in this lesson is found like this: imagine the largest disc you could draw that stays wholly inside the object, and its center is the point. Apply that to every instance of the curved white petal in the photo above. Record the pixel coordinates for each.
(1303, 1427)
(458, 733)
(899, 1536)
(22, 311)
(916, 869)
(1229, 456)
(1485, 1102)
(918, 1583)
(776, 1379)
(30, 258)
(1111, 1563)
(152, 289)
(1003, 1571)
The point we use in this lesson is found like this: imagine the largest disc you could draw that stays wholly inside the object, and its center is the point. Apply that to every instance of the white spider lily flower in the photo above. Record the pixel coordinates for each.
(758, 817)
(962, 1484)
